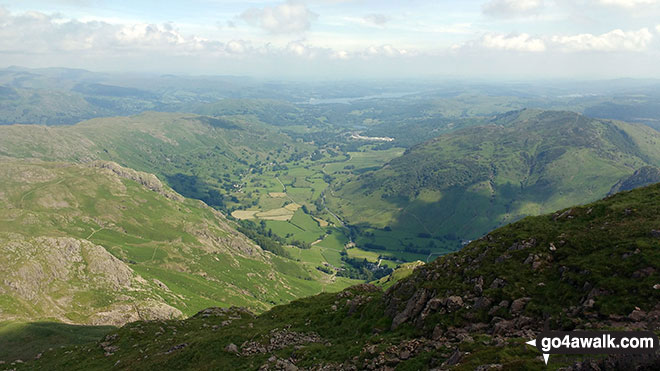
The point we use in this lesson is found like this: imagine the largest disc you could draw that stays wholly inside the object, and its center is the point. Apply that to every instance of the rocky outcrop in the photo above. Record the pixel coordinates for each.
(279, 339)
(145, 310)
(150, 181)
(641, 177)
(51, 276)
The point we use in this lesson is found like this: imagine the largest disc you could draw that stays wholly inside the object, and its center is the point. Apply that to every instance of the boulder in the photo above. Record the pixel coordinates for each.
(231, 348)
(482, 303)
(519, 304)
(454, 303)
(497, 283)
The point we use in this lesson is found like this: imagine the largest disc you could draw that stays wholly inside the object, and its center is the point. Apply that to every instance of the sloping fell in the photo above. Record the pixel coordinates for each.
(200, 157)
(588, 267)
(463, 184)
(102, 244)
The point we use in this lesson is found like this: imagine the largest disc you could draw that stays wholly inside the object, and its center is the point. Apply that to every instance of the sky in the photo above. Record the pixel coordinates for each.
(338, 39)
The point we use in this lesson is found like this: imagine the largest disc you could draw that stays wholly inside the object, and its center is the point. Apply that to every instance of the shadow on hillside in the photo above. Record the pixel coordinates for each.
(192, 186)
(20, 340)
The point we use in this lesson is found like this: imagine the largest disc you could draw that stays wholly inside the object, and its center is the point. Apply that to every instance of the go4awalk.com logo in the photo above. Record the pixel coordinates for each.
(595, 342)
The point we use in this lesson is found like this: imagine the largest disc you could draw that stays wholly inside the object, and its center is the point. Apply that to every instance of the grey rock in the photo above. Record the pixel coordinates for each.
(519, 304)
(231, 348)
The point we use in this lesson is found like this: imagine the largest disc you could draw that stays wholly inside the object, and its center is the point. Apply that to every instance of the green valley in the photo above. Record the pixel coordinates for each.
(473, 308)
(331, 185)
(459, 186)
(97, 243)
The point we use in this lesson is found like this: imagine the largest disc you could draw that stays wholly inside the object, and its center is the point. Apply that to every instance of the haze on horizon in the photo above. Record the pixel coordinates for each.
(338, 39)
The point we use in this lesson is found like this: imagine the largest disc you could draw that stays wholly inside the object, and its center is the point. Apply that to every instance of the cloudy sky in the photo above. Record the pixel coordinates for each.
(331, 39)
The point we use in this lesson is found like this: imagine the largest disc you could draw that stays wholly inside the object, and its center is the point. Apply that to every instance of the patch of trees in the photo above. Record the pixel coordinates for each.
(362, 269)
(373, 246)
(266, 239)
(323, 269)
(301, 244)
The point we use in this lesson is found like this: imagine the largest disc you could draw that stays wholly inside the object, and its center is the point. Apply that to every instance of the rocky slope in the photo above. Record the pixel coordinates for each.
(102, 244)
(642, 177)
(588, 267)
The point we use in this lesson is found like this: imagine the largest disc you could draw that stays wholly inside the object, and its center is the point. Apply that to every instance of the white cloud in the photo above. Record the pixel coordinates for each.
(521, 42)
(146, 34)
(511, 8)
(300, 49)
(341, 54)
(613, 41)
(616, 40)
(376, 19)
(237, 47)
(39, 33)
(386, 50)
(629, 3)
(289, 17)
(35, 32)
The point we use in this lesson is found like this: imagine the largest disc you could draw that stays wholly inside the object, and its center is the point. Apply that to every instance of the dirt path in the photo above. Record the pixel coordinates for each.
(38, 188)
(330, 212)
(94, 232)
(418, 220)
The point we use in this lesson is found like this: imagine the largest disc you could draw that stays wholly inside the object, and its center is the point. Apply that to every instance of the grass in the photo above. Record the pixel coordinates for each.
(195, 252)
(459, 186)
(21, 340)
(602, 245)
(348, 330)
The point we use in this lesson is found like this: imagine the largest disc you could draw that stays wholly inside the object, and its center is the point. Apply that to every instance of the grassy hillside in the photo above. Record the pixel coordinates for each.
(103, 244)
(461, 185)
(199, 156)
(20, 340)
(587, 267)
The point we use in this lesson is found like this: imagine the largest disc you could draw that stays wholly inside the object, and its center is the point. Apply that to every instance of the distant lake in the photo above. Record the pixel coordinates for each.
(349, 100)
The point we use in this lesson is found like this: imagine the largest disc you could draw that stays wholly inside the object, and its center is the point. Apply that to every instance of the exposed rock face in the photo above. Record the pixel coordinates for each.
(123, 313)
(37, 263)
(148, 180)
(50, 274)
(413, 307)
(519, 304)
(232, 312)
(641, 177)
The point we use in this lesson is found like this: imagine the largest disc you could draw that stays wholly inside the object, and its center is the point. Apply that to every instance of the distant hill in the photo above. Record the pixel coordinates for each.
(588, 267)
(199, 156)
(528, 162)
(98, 243)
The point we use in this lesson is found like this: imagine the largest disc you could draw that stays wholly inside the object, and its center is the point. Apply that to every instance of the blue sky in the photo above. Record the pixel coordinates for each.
(334, 39)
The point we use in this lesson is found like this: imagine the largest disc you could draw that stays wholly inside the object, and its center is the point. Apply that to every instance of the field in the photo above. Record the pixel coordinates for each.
(238, 164)
(277, 197)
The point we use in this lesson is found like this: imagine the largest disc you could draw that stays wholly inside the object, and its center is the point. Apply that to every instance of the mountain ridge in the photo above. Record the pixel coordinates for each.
(524, 163)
